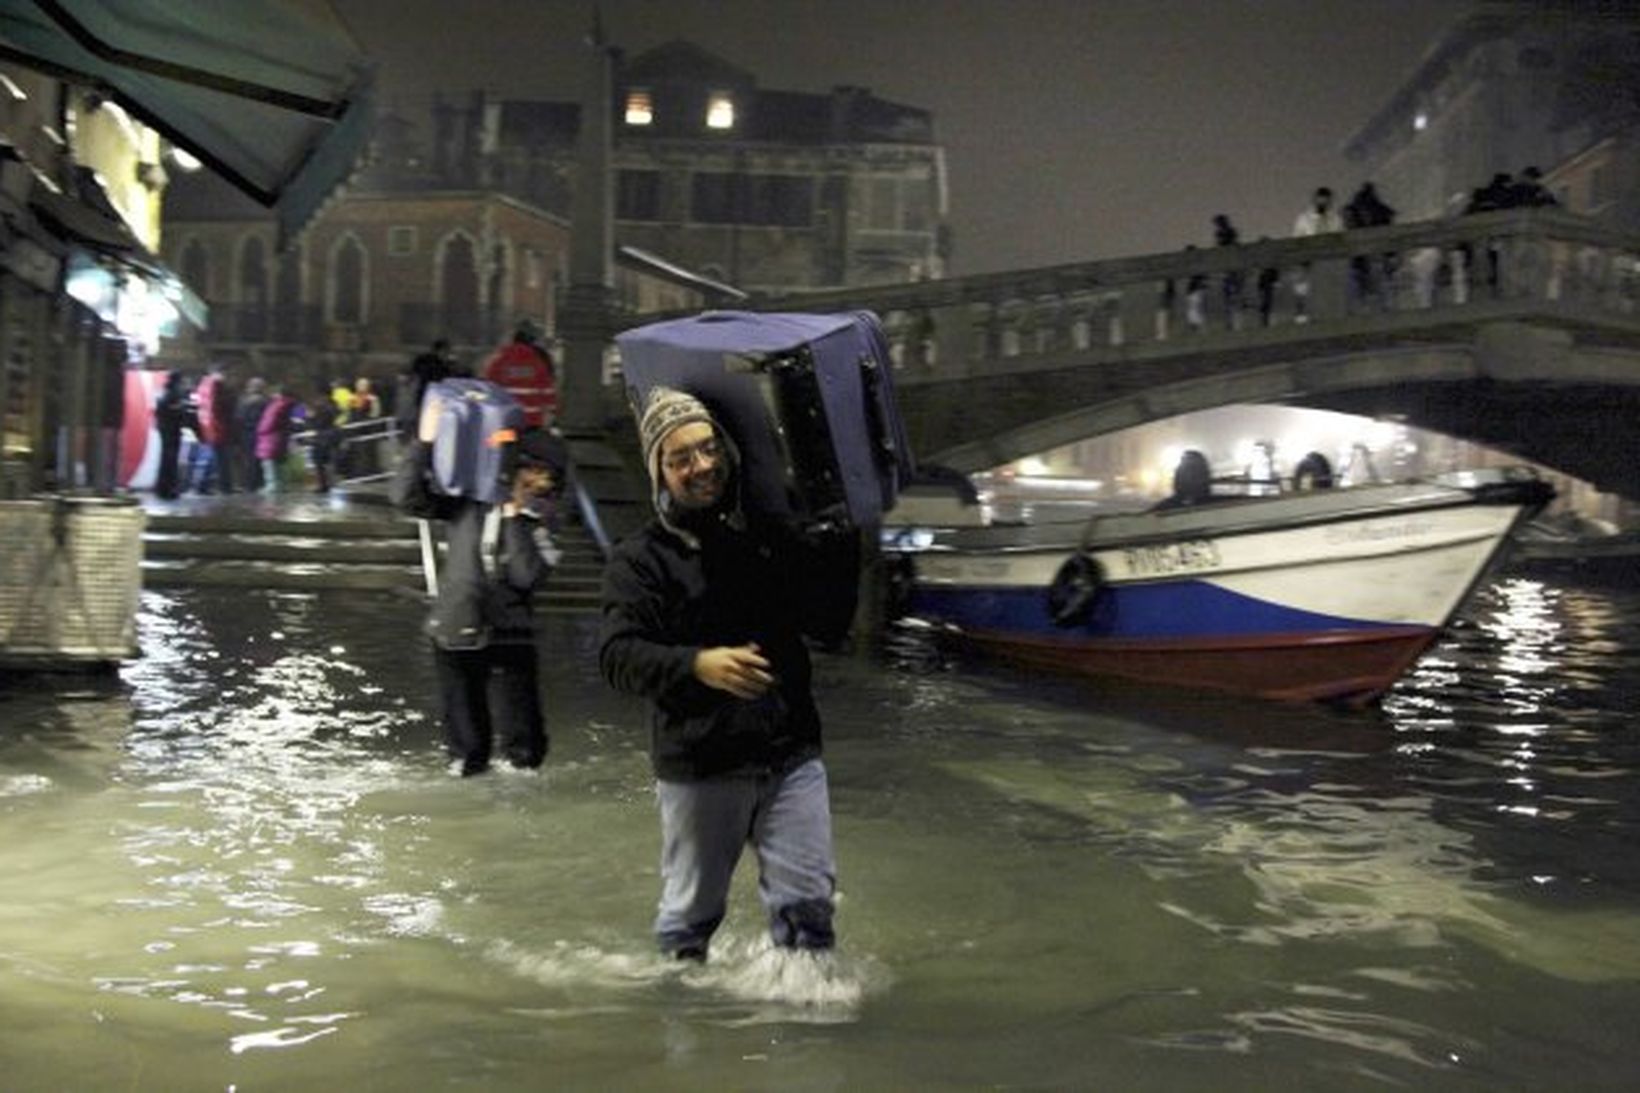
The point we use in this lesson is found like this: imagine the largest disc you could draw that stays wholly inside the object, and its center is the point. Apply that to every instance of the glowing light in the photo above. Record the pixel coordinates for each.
(1032, 465)
(185, 160)
(1420, 121)
(1382, 434)
(720, 111)
(143, 314)
(640, 108)
(93, 286)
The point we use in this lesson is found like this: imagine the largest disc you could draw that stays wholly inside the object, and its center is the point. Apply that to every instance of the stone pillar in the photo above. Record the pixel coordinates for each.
(587, 321)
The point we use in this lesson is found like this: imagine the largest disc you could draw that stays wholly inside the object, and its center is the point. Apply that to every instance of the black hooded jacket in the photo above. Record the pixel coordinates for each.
(756, 580)
(474, 608)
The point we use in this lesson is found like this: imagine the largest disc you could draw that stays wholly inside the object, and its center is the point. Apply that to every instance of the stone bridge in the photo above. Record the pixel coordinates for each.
(1519, 330)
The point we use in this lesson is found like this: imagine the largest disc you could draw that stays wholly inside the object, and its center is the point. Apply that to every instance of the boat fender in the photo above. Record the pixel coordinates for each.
(1074, 589)
(1313, 473)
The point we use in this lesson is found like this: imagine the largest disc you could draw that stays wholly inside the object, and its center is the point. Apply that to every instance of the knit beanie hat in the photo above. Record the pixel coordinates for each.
(666, 410)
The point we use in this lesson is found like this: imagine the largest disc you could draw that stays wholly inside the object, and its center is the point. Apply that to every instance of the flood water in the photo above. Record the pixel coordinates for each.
(241, 865)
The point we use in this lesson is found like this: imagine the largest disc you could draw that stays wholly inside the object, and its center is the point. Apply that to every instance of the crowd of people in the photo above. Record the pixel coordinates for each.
(1372, 278)
(218, 436)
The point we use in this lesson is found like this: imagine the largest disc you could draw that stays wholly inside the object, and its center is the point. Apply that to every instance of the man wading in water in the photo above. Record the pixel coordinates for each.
(705, 611)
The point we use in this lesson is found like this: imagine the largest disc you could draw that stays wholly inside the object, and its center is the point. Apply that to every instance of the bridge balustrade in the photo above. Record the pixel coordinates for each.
(1201, 299)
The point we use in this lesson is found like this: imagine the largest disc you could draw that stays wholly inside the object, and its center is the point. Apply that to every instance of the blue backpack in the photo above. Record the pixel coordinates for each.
(479, 424)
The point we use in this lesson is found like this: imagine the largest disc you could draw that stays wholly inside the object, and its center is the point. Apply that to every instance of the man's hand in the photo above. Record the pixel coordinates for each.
(739, 669)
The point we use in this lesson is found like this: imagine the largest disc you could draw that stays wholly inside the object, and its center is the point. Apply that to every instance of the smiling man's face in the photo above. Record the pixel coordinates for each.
(692, 465)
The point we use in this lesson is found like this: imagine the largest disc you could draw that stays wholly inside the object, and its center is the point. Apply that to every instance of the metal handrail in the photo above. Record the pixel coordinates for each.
(589, 514)
(366, 430)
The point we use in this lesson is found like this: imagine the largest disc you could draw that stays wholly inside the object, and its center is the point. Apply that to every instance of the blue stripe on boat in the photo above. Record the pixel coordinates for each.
(1179, 609)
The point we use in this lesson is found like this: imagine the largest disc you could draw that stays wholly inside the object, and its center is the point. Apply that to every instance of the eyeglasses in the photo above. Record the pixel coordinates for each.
(680, 460)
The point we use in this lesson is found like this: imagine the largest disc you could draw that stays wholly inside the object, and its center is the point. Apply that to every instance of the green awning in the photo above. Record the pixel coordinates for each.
(274, 95)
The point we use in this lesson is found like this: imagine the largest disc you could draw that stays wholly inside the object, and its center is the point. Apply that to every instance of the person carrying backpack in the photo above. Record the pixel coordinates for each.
(425, 370)
(482, 622)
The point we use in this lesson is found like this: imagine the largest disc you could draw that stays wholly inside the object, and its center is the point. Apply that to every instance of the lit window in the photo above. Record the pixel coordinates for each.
(720, 111)
(640, 108)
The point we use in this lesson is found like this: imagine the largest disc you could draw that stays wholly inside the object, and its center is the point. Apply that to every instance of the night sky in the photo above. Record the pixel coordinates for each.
(1073, 129)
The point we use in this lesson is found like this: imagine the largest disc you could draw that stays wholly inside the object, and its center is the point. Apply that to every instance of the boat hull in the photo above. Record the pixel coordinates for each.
(1346, 666)
(1291, 599)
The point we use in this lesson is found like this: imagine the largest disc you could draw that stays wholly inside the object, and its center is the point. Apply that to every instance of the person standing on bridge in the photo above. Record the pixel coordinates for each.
(705, 614)
(1371, 278)
(482, 624)
(1233, 280)
(1319, 219)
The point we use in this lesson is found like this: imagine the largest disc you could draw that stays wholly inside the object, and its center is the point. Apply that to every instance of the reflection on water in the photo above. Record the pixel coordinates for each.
(241, 864)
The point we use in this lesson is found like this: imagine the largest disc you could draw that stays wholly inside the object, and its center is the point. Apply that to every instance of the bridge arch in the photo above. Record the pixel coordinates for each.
(1542, 406)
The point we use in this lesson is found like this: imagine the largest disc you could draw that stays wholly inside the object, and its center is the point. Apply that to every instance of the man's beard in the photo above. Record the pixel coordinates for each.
(695, 511)
(704, 492)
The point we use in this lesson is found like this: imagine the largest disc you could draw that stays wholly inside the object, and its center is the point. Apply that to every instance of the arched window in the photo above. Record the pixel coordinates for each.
(196, 268)
(347, 288)
(458, 288)
(290, 324)
(251, 290)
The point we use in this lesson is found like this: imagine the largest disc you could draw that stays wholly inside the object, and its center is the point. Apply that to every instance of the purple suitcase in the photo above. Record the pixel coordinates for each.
(808, 399)
(479, 424)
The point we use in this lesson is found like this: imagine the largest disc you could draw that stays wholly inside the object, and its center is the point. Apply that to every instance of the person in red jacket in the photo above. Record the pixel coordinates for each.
(523, 367)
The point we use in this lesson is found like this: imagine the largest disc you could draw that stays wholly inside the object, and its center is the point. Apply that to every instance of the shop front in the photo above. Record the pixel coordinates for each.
(271, 94)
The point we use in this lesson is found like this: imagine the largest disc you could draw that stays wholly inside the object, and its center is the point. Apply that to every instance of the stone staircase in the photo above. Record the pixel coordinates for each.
(361, 552)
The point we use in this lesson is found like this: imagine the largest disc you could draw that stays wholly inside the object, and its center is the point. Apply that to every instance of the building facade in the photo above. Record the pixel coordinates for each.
(82, 296)
(1515, 85)
(765, 189)
(458, 226)
(378, 276)
(374, 278)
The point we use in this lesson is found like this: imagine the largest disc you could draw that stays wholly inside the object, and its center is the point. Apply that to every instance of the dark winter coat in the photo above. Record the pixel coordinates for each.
(665, 600)
(1367, 210)
(475, 607)
(173, 412)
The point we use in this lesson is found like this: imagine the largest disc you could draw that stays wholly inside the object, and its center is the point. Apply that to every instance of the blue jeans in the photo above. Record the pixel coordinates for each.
(704, 826)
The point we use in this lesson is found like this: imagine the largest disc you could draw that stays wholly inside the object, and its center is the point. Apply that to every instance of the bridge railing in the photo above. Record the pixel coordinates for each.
(1217, 297)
